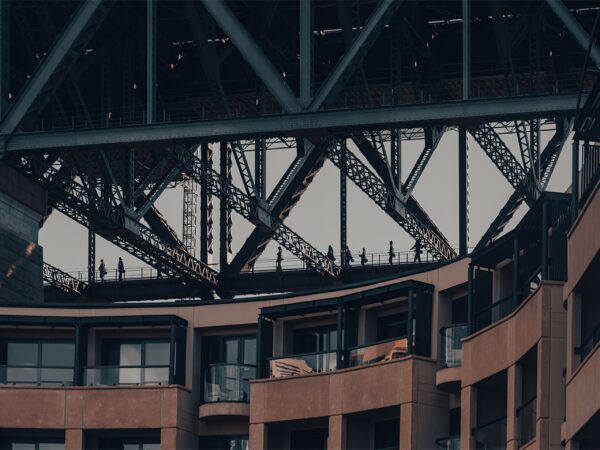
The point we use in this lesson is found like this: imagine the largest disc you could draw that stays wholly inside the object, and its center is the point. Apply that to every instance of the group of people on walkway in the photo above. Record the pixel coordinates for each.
(120, 269)
(348, 258)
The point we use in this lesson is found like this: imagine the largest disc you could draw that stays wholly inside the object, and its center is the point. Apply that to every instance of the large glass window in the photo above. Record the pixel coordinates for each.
(315, 340)
(128, 444)
(37, 362)
(14, 444)
(393, 326)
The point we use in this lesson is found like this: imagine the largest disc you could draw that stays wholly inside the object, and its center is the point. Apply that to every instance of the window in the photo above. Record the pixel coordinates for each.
(18, 444)
(37, 362)
(393, 326)
(223, 443)
(315, 340)
(129, 444)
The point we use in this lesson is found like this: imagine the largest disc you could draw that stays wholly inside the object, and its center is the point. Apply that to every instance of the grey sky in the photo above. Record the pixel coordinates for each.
(316, 216)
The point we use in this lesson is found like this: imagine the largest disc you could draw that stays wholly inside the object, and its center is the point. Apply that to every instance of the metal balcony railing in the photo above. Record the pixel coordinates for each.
(450, 344)
(491, 435)
(387, 350)
(228, 383)
(589, 342)
(448, 443)
(36, 375)
(590, 172)
(493, 312)
(302, 364)
(526, 416)
(125, 375)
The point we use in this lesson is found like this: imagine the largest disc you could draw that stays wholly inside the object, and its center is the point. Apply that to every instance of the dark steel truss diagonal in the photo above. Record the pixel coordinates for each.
(432, 139)
(549, 158)
(250, 210)
(392, 204)
(501, 156)
(62, 280)
(66, 49)
(113, 224)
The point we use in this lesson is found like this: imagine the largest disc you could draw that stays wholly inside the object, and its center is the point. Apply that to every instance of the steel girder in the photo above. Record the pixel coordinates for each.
(432, 139)
(61, 57)
(62, 280)
(502, 157)
(259, 216)
(549, 158)
(392, 204)
(319, 123)
(113, 224)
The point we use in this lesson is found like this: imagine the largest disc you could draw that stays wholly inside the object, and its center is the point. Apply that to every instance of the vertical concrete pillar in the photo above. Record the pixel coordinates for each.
(168, 439)
(336, 438)
(468, 416)
(573, 331)
(73, 439)
(408, 426)
(257, 436)
(550, 392)
(513, 401)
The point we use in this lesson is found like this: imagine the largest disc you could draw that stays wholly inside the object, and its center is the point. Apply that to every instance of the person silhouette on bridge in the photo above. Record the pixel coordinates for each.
(330, 254)
(278, 260)
(363, 258)
(348, 258)
(391, 253)
(102, 270)
(418, 251)
(121, 269)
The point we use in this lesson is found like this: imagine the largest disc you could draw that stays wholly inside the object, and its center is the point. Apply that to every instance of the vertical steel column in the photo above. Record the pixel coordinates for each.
(343, 207)
(545, 240)
(129, 186)
(4, 55)
(205, 207)
(396, 151)
(306, 51)
(150, 61)
(516, 270)
(91, 255)
(81, 342)
(463, 218)
(224, 211)
(575, 180)
(339, 341)
(172, 343)
(260, 364)
(409, 324)
(470, 299)
(259, 168)
(466, 48)
(396, 77)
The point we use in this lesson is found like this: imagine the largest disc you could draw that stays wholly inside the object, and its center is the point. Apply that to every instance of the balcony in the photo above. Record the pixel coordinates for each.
(36, 375)
(589, 342)
(387, 350)
(491, 435)
(448, 443)
(526, 416)
(451, 345)
(228, 383)
(302, 364)
(126, 375)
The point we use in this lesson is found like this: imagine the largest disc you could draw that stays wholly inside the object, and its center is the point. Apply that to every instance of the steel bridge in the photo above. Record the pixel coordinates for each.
(106, 104)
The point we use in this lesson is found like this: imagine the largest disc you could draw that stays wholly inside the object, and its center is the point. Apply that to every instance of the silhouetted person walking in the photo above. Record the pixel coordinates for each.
(348, 258)
(102, 270)
(330, 254)
(363, 257)
(418, 251)
(278, 260)
(121, 269)
(391, 253)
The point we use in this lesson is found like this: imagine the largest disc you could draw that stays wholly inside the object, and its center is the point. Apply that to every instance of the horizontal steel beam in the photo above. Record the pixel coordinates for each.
(305, 124)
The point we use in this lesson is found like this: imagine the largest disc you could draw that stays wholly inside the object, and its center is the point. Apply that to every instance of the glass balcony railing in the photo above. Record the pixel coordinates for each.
(36, 375)
(379, 351)
(228, 383)
(589, 342)
(451, 346)
(491, 436)
(493, 313)
(126, 375)
(526, 416)
(448, 443)
(302, 364)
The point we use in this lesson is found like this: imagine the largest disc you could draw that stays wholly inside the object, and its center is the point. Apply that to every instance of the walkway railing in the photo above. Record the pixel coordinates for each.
(125, 375)
(387, 350)
(526, 416)
(450, 344)
(228, 382)
(302, 364)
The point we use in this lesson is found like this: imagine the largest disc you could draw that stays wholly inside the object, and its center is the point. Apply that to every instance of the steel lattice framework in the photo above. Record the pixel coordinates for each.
(107, 104)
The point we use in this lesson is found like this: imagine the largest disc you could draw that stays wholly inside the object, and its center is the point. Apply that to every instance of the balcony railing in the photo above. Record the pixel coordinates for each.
(589, 342)
(126, 375)
(491, 435)
(526, 416)
(493, 312)
(448, 443)
(450, 344)
(302, 364)
(590, 172)
(379, 351)
(36, 375)
(228, 383)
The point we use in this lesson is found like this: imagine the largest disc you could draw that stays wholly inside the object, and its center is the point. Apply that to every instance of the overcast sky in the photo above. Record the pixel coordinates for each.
(316, 216)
